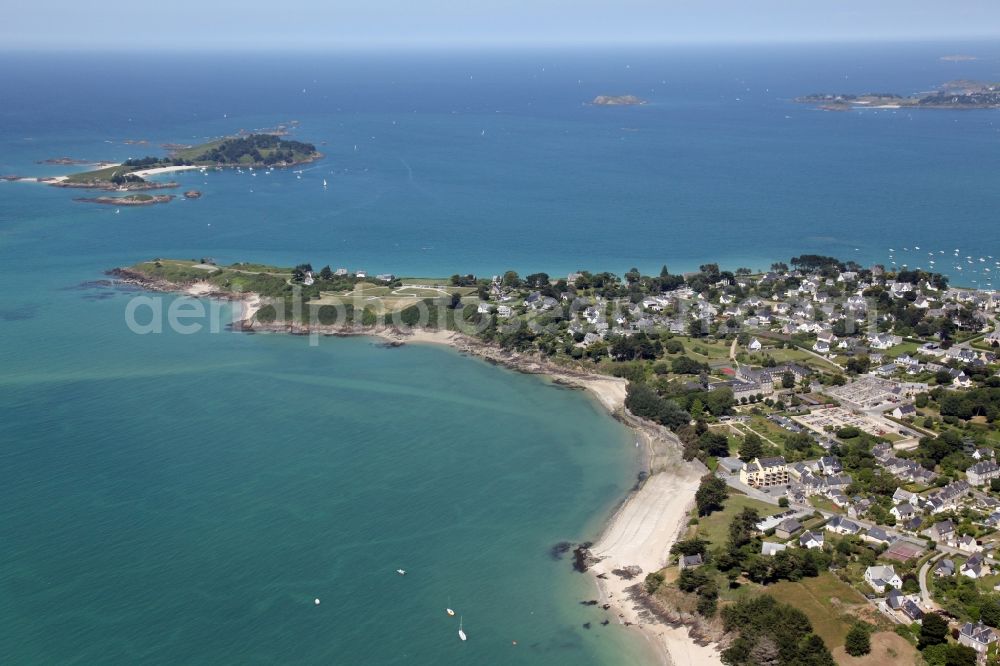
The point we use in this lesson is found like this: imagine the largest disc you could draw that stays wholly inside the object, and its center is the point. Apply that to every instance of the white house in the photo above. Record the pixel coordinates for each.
(903, 511)
(904, 411)
(975, 567)
(968, 544)
(842, 525)
(754, 345)
(882, 576)
(811, 540)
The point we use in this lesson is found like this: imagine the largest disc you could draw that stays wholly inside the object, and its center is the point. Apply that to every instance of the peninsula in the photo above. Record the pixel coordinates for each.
(248, 151)
(848, 414)
(958, 94)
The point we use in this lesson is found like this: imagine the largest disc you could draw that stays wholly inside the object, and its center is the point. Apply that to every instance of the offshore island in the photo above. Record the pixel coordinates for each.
(958, 94)
(617, 100)
(820, 478)
(249, 151)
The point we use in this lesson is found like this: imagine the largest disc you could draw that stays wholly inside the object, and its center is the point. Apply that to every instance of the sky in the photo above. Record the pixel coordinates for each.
(321, 24)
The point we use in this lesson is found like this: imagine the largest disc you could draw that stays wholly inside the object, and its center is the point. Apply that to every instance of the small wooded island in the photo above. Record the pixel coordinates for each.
(617, 100)
(129, 199)
(250, 151)
(960, 94)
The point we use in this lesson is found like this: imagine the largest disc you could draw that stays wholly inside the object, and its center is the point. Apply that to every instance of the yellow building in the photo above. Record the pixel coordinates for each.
(765, 472)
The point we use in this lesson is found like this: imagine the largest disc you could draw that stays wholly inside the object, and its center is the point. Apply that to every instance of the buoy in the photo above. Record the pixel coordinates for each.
(316, 601)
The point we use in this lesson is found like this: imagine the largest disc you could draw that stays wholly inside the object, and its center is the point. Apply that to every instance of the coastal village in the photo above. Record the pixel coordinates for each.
(852, 411)
(847, 416)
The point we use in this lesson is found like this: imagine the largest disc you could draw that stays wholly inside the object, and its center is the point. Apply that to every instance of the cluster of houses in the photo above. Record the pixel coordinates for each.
(812, 307)
(309, 277)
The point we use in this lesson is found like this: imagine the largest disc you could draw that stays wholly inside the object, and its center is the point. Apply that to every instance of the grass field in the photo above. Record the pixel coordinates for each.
(706, 351)
(104, 174)
(388, 299)
(904, 348)
(825, 600)
(715, 528)
(824, 504)
(887, 648)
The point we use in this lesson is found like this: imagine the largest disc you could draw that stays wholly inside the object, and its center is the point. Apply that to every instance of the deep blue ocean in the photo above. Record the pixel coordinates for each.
(184, 498)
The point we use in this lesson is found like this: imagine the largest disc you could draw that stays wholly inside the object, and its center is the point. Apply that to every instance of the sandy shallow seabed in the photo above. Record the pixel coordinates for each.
(642, 530)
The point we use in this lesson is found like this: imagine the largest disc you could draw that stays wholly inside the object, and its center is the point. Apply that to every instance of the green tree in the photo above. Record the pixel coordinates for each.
(742, 527)
(711, 494)
(989, 613)
(714, 444)
(325, 273)
(858, 642)
(751, 447)
(787, 379)
(933, 630)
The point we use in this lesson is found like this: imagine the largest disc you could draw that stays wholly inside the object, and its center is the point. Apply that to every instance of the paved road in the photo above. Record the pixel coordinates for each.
(925, 593)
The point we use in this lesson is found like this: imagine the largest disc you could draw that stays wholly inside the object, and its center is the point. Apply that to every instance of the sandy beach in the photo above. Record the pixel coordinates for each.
(644, 527)
(168, 169)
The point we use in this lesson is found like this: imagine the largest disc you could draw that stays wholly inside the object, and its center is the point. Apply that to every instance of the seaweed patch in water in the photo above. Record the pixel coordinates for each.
(19, 312)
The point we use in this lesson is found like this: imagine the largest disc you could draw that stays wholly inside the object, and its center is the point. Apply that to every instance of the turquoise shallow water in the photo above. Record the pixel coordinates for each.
(183, 498)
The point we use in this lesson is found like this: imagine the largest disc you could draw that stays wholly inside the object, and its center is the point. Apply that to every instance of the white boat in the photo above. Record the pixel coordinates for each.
(461, 633)
(450, 612)
(401, 572)
(324, 182)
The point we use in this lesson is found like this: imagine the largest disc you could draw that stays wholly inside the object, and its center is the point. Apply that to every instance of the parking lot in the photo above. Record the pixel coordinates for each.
(867, 392)
(835, 418)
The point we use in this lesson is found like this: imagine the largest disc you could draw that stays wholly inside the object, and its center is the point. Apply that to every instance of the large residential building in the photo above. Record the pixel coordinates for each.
(765, 472)
(982, 473)
(979, 637)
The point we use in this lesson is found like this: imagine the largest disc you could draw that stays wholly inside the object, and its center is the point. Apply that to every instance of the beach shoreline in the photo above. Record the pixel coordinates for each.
(641, 529)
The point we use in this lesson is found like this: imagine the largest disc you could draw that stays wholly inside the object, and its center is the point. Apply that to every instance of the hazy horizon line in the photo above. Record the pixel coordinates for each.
(493, 45)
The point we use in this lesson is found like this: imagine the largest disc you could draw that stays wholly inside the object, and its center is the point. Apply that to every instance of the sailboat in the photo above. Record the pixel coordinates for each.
(461, 633)
(324, 183)
(448, 609)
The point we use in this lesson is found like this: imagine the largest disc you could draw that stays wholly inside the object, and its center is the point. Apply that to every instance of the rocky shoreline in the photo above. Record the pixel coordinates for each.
(128, 200)
(108, 186)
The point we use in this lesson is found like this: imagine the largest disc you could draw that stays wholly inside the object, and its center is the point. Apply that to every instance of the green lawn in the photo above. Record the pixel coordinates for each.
(825, 600)
(707, 351)
(715, 528)
(904, 348)
(824, 504)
